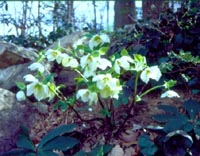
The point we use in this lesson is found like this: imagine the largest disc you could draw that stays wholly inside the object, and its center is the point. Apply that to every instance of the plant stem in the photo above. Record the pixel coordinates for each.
(135, 88)
(149, 90)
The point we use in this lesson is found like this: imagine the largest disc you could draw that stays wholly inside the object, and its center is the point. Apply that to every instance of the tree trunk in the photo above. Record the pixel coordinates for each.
(70, 12)
(24, 19)
(124, 13)
(95, 14)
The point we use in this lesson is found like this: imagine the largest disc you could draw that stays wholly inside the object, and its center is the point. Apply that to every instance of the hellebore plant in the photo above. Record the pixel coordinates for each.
(99, 76)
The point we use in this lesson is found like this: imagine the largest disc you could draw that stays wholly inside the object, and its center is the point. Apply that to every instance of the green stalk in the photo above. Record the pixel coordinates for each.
(135, 87)
(149, 90)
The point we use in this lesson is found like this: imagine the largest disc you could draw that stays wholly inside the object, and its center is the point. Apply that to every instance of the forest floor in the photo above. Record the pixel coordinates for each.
(90, 132)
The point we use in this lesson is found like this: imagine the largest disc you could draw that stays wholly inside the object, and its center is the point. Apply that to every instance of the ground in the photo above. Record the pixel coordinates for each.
(127, 138)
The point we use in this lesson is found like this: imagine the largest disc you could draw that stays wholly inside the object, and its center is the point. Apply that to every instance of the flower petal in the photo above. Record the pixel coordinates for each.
(20, 96)
(30, 78)
(169, 94)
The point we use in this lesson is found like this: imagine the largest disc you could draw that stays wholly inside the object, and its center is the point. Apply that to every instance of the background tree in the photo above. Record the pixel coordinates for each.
(124, 12)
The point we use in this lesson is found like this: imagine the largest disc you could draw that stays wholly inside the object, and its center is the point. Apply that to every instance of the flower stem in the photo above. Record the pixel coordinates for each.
(149, 90)
(135, 88)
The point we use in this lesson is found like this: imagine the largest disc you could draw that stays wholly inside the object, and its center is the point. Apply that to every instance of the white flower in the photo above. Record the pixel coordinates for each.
(169, 94)
(30, 78)
(80, 41)
(68, 61)
(87, 96)
(20, 96)
(39, 90)
(108, 86)
(89, 60)
(103, 63)
(89, 64)
(139, 62)
(150, 73)
(54, 55)
(123, 62)
(98, 40)
(36, 66)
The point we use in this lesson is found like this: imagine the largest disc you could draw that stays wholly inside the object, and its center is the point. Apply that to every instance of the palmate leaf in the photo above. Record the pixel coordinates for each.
(18, 152)
(56, 132)
(171, 112)
(24, 140)
(175, 124)
(61, 143)
(46, 153)
(162, 118)
(168, 108)
(147, 147)
(192, 107)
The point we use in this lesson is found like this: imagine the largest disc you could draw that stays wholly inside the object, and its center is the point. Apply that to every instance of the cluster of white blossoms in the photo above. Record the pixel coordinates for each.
(35, 86)
(102, 74)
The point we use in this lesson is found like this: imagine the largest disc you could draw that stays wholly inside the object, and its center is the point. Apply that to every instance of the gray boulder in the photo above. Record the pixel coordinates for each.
(11, 54)
(12, 115)
(67, 41)
(14, 61)
(12, 74)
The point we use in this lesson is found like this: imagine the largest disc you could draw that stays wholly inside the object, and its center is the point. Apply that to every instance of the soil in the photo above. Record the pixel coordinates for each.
(91, 131)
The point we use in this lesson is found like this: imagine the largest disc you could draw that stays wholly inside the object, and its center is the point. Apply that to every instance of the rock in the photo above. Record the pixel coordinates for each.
(11, 54)
(67, 41)
(12, 115)
(12, 74)
(14, 62)
(67, 77)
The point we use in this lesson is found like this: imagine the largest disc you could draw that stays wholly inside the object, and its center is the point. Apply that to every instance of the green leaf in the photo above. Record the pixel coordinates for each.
(62, 143)
(105, 112)
(197, 128)
(46, 153)
(24, 142)
(192, 107)
(56, 132)
(48, 78)
(168, 109)
(61, 104)
(147, 147)
(103, 50)
(21, 85)
(169, 84)
(174, 124)
(98, 151)
(95, 53)
(139, 58)
(195, 91)
(162, 118)
(124, 52)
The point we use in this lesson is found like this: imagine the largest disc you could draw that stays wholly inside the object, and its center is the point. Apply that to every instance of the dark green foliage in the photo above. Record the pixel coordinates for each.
(147, 147)
(174, 120)
(37, 42)
(180, 133)
(57, 139)
(176, 32)
(56, 132)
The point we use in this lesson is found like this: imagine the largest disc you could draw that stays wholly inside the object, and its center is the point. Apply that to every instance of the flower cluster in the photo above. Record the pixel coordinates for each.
(100, 75)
